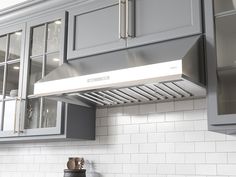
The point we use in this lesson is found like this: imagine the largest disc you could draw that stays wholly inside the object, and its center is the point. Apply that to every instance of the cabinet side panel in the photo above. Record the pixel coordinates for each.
(80, 122)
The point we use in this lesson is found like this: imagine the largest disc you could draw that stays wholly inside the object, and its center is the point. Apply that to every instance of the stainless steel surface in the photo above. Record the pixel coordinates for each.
(188, 82)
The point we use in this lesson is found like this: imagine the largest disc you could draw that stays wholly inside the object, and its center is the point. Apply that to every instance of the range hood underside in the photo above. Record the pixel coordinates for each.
(157, 92)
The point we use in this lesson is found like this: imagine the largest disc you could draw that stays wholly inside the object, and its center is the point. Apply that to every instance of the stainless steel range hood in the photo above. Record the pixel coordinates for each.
(157, 72)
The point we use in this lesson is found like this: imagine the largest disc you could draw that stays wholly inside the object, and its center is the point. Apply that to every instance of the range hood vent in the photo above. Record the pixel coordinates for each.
(157, 72)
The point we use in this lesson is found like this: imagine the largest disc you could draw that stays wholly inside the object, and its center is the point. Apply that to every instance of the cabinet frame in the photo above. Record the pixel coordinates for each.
(60, 106)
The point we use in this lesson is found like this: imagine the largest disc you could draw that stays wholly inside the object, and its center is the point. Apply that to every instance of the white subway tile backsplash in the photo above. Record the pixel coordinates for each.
(139, 119)
(231, 157)
(200, 125)
(195, 158)
(184, 105)
(139, 158)
(131, 110)
(139, 138)
(157, 158)
(185, 169)
(213, 136)
(226, 169)
(167, 169)
(115, 130)
(101, 131)
(147, 108)
(151, 140)
(184, 126)
(165, 107)
(131, 168)
(165, 126)
(184, 147)
(129, 129)
(115, 111)
(123, 120)
(130, 148)
(226, 146)
(174, 116)
(159, 117)
(165, 147)
(194, 115)
(102, 112)
(205, 147)
(218, 158)
(147, 148)
(175, 137)
(156, 137)
(200, 103)
(107, 158)
(175, 158)
(148, 168)
(194, 136)
(206, 169)
(122, 158)
(148, 128)
(108, 121)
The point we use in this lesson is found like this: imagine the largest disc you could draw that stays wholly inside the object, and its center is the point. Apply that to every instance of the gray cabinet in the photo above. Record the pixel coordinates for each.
(106, 25)
(220, 45)
(158, 20)
(11, 71)
(94, 28)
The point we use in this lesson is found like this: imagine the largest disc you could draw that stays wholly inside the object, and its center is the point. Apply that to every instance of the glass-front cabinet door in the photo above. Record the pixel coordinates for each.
(45, 40)
(221, 45)
(11, 69)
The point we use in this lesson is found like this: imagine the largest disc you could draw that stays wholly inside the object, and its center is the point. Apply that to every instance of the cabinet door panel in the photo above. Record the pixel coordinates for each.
(158, 20)
(45, 44)
(94, 29)
(11, 70)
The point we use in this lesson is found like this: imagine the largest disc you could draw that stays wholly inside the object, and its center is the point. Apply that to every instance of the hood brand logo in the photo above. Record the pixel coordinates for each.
(96, 79)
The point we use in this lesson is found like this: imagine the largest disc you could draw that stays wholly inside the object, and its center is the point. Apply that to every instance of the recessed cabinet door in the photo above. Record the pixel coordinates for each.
(158, 20)
(94, 28)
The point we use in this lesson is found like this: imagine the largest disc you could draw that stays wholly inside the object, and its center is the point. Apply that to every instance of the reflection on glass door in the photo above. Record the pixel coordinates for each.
(44, 57)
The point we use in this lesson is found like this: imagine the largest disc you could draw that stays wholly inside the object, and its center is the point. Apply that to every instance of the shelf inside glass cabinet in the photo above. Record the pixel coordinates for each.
(222, 6)
(225, 41)
(226, 90)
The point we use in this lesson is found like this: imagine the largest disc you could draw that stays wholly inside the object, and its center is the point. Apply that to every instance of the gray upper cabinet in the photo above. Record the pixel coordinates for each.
(106, 25)
(11, 71)
(94, 27)
(157, 20)
(220, 45)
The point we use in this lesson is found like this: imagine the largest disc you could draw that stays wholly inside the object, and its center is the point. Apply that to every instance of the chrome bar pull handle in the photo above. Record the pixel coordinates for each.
(121, 25)
(130, 19)
(127, 19)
